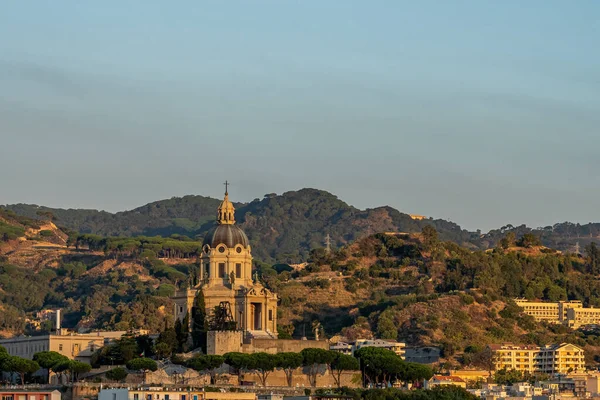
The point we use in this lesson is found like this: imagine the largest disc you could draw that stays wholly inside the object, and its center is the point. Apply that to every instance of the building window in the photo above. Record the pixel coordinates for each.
(270, 315)
(183, 397)
(136, 396)
(207, 270)
(238, 270)
(114, 396)
(180, 309)
(195, 397)
(60, 347)
(166, 397)
(221, 270)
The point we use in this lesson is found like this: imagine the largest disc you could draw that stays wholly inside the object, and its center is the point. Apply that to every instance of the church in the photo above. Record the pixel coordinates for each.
(227, 282)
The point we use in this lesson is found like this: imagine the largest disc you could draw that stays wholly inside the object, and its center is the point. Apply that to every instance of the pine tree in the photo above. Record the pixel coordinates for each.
(199, 322)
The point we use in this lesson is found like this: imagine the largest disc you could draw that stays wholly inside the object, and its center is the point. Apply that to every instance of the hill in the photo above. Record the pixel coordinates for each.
(412, 287)
(280, 227)
(424, 291)
(286, 227)
(566, 236)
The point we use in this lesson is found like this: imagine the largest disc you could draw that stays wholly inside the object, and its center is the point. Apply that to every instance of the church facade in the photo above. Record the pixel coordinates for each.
(227, 282)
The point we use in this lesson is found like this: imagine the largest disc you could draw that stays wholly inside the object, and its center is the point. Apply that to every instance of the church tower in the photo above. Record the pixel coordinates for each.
(226, 279)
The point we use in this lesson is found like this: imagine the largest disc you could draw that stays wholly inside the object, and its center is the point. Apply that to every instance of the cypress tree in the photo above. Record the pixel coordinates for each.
(199, 323)
(180, 334)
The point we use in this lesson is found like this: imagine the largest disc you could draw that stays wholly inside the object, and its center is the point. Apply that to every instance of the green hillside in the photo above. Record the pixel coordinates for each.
(413, 287)
(286, 227)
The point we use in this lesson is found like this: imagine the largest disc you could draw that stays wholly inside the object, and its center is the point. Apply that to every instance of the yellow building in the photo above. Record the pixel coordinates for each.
(73, 346)
(445, 380)
(552, 312)
(570, 313)
(159, 393)
(471, 375)
(558, 358)
(226, 280)
(578, 317)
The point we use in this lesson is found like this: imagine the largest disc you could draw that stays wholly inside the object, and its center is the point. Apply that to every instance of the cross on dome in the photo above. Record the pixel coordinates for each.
(226, 211)
(226, 186)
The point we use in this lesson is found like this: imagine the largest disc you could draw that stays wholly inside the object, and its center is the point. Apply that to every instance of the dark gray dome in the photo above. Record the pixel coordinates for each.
(227, 234)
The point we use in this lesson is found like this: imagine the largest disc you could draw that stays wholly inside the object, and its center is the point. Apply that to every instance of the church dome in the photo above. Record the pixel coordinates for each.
(227, 234)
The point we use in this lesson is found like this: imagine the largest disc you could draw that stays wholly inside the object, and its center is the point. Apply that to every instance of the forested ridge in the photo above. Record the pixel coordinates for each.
(286, 227)
(280, 227)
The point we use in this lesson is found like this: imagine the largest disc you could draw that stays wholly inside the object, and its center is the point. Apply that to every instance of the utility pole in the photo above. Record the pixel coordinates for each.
(328, 243)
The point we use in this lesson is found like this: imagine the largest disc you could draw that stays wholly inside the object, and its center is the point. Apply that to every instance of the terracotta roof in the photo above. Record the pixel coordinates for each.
(510, 346)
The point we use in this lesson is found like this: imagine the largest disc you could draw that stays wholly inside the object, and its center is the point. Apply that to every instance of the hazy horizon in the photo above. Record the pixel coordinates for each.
(479, 112)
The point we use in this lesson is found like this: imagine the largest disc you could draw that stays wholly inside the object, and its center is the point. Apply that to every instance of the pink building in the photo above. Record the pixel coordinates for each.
(24, 394)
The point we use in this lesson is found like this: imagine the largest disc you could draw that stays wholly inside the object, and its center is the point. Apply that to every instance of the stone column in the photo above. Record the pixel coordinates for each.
(246, 314)
(213, 272)
(265, 318)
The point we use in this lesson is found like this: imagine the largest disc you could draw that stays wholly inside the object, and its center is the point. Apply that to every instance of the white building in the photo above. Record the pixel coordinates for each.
(350, 348)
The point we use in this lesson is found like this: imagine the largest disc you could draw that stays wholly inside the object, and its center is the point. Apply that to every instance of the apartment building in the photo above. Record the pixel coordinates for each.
(349, 348)
(558, 358)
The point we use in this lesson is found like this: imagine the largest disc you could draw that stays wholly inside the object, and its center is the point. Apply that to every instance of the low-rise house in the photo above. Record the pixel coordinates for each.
(320, 397)
(270, 396)
(160, 393)
(72, 345)
(445, 380)
(422, 355)
(24, 394)
(471, 375)
(351, 348)
(396, 347)
(342, 347)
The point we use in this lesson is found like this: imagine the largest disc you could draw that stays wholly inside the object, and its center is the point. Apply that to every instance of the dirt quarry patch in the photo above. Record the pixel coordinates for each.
(34, 254)
(128, 268)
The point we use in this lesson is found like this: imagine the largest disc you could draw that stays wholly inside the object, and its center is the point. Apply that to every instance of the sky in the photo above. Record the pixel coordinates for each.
(480, 112)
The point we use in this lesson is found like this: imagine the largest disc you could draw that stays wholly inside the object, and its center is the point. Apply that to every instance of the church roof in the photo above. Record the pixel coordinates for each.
(226, 232)
(229, 235)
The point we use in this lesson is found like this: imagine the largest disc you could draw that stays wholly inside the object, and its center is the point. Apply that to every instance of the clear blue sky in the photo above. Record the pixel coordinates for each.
(482, 112)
